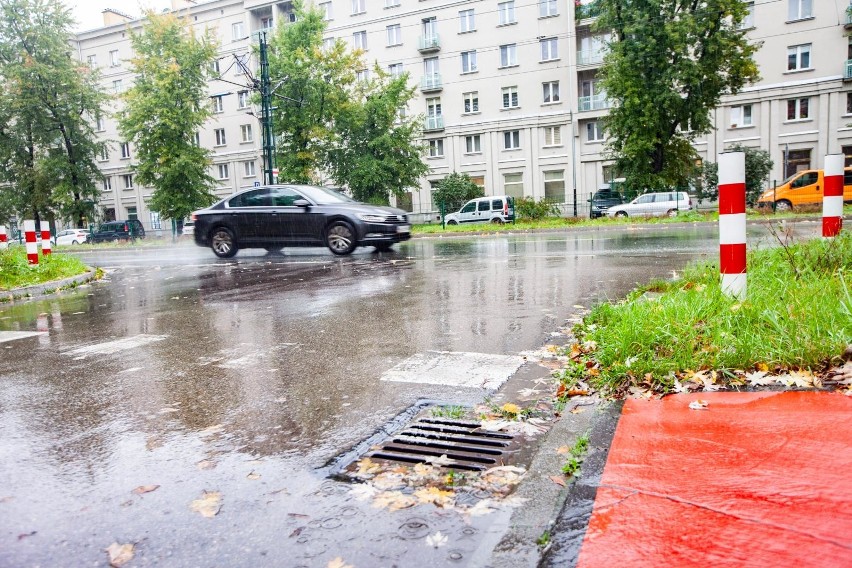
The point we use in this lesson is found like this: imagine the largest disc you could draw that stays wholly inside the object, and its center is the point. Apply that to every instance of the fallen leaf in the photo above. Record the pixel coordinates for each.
(762, 367)
(209, 504)
(145, 489)
(577, 410)
(435, 496)
(206, 464)
(678, 387)
(338, 563)
(253, 476)
(424, 470)
(528, 392)
(437, 540)
(557, 480)
(578, 392)
(801, 379)
(483, 507)
(393, 501)
(563, 449)
(119, 554)
(759, 378)
(367, 468)
(698, 404)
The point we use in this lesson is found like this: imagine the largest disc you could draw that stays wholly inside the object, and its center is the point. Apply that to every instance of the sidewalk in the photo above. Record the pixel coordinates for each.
(750, 479)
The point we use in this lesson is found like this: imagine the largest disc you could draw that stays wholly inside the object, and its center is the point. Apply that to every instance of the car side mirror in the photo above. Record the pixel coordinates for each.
(302, 203)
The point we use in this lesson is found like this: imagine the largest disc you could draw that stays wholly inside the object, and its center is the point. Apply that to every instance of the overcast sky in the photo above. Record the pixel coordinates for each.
(88, 12)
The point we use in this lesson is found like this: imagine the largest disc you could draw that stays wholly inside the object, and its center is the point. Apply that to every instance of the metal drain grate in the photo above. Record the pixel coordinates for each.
(469, 447)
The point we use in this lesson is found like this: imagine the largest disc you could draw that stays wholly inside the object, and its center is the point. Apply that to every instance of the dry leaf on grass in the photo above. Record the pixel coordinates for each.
(142, 489)
(209, 504)
(437, 540)
(801, 379)
(119, 554)
(759, 378)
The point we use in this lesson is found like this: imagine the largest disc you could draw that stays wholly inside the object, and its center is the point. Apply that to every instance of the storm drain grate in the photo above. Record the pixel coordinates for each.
(465, 443)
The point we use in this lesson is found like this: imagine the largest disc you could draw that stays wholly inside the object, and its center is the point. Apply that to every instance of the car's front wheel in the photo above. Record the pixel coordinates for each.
(783, 205)
(74, 243)
(223, 243)
(672, 213)
(340, 238)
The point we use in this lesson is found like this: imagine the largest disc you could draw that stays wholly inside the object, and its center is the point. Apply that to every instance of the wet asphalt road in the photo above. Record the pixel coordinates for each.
(249, 376)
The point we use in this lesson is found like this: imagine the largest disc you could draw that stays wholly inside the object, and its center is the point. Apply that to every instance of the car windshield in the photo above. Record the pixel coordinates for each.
(323, 195)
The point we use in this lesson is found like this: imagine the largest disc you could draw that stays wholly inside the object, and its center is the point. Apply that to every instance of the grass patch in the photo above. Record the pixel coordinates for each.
(16, 273)
(797, 316)
(576, 456)
(449, 411)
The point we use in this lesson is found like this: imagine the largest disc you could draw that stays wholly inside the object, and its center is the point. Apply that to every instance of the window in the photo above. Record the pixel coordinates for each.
(430, 30)
(132, 214)
(328, 43)
(433, 107)
(155, 220)
(395, 70)
(359, 40)
(554, 186)
(116, 86)
(113, 58)
(748, 19)
(391, 3)
(471, 102)
(511, 139)
(248, 169)
(513, 184)
(552, 135)
(242, 99)
(848, 103)
(548, 49)
(473, 144)
(547, 8)
(325, 8)
(104, 153)
(222, 171)
(237, 31)
(468, 59)
(266, 23)
(510, 97)
(107, 183)
(220, 136)
(127, 180)
(436, 148)
(125, 150)
(550, 92)
(394, 35)
(246, 133)
(799, 57)
(594, 131)
(196, 139)
(508, 55)
(506, 12)
(799, 9)
(431, 70)
(92, 61)
(241, 64)
(362, 75)
(466, 21)
(740, 116)
(214, 67)
(797, 109)
(100, 124)
(217, 103)
(359, 6)
(795, 160)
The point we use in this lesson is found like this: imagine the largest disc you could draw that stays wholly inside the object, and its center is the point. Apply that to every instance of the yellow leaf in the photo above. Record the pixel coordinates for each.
(145, 489)
(435, 496)
(393, 501)
(209, 504)
(762, 367)
(119, 554)
(338, 563)
(253, 476)
(563, 450)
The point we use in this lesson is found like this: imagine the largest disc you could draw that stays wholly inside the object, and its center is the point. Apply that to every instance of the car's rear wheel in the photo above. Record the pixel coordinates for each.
(340, 238)
(672, 213)
(497, 221)
(223, 243)
(621, 214)
(452, 222)
(783, 205)
(74, 243)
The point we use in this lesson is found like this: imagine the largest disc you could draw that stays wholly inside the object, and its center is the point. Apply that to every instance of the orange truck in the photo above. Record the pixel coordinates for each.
(803, 188)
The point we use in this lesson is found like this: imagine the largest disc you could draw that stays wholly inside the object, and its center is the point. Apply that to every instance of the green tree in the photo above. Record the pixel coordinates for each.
(374, 149)
(164, 109)
(313, 85)
(758, 166)
(47, 142)
(669, 64)
(455, 190)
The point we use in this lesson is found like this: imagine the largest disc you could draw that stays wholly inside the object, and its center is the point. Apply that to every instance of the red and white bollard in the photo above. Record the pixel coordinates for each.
(732, 224)
(832, 197)
(32, 245)
(4, 239)
(45, 238)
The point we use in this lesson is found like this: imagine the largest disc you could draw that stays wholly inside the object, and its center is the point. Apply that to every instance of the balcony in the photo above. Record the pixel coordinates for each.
(595, 102)
(431, 83)
(433, 123)
(429, 44)
(586, 11)
(847, 70)
(590, 57)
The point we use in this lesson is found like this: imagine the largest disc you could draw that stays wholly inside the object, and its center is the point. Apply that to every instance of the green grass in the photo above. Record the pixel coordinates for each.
(450, 411)
(16, 273)
(576, 456)
(797, 315)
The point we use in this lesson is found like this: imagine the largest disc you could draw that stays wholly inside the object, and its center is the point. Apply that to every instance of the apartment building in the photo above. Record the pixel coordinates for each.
(508, 89)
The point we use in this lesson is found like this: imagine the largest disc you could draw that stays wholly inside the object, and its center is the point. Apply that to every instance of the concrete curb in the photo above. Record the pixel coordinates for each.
(49, 288)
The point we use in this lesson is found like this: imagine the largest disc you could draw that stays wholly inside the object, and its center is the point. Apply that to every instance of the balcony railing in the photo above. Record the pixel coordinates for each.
(429, 43)
(847, 71)
(595, 102)
(584, 11)
(431, 83)
(434, 123)
(590, 57)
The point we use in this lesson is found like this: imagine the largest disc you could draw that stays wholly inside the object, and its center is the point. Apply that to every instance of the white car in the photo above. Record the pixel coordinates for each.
(71, 237)
(188, 228)
(653, 205)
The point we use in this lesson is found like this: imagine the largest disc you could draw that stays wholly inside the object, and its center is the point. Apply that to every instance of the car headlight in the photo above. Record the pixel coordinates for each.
(371, 218)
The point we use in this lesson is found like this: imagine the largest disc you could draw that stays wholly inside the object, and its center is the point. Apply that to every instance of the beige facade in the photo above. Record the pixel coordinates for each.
(507, 89)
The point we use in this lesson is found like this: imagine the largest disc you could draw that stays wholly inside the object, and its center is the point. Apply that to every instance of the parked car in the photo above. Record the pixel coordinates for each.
(493, 209)
(71, 237)
(653, 205)
(277, 216)
(803, 188)
(118, 231)
(188, 228)
(602, 200)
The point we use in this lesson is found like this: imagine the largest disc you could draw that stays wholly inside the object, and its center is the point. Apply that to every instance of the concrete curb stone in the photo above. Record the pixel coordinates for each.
(48, 288)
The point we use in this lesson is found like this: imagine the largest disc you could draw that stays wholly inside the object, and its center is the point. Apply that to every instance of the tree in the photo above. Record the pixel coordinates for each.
(164, 109)
(47, 143)
(758, 166)
(455, 190)
(669, 63)
(374, 149)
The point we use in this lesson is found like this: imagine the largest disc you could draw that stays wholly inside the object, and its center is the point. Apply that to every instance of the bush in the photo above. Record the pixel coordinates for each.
(455, 190)
(529, 208)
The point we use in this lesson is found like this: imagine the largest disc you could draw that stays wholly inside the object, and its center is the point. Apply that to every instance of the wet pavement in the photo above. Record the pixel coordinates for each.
(233, 385)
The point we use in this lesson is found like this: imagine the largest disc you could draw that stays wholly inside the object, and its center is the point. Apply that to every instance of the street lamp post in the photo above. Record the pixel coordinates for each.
(266, 111)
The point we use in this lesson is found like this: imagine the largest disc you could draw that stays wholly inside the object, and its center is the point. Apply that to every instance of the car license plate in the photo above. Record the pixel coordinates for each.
(403, 228)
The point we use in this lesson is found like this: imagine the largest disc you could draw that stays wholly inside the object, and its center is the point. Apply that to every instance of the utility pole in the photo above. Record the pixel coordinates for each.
(573, 160)
(266, 113)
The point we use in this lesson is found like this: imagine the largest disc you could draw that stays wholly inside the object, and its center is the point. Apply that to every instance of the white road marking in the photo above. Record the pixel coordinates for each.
(13, 335)
(474, 370)
(111, 347)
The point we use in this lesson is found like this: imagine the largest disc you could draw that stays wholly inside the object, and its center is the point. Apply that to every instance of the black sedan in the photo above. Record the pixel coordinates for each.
(277, 216)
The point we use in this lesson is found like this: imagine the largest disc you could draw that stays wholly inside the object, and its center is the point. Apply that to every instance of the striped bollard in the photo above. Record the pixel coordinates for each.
(832, 199)
(3, 237)
(32, 245)
(732, 224)
(45, 238)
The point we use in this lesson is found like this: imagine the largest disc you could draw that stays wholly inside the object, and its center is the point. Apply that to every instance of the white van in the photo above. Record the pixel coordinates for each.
(492, 209)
